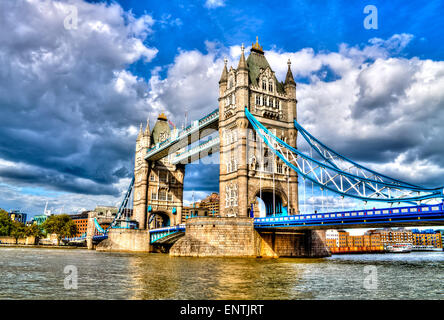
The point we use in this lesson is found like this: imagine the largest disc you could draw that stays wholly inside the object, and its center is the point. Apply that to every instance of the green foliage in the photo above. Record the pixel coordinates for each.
(62, 225)
(18, 230)
(34, 231)
(5, 223)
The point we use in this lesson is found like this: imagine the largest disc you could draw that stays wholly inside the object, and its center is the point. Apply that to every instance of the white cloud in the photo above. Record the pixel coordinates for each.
(214, 3)
(68, 100)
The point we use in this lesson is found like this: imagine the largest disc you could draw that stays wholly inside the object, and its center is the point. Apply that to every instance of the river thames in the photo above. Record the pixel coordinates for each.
(35, 273)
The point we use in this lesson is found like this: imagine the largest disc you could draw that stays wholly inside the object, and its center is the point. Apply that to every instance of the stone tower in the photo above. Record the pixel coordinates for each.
(248, 169)
(158, 187)
(141, 176)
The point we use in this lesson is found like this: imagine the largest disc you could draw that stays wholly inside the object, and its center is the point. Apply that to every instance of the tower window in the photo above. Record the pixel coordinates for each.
(162, 176)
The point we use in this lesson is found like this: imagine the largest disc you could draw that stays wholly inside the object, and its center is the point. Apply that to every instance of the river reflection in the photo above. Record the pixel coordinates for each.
(27, 273)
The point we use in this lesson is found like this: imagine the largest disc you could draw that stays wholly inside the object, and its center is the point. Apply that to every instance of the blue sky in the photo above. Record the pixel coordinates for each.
(72, 100)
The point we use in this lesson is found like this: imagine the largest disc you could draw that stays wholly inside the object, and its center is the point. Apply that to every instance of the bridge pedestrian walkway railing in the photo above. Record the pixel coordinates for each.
(211, 144)
(425, 213)
(180, 135)
(159, 233)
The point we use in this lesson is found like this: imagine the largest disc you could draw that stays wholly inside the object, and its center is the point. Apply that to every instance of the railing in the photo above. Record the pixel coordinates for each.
(185, 132)
(197, 149)
(159, 233)
(354, 217)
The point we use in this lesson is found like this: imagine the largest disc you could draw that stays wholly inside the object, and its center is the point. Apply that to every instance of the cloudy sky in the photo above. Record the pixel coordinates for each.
(78, 77)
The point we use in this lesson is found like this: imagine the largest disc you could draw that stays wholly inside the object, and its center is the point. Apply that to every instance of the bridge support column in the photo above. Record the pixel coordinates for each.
(291, 243)
(217, 237)
(237, 237)
(126, 240)
(90, 230)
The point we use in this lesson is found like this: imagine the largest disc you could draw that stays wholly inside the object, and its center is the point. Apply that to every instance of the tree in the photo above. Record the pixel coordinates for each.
(62, 225)
(34, 231)
(5, 223)
(18, 230)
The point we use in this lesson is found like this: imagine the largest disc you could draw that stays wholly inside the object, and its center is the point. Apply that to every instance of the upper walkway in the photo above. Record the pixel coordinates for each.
(183, 138)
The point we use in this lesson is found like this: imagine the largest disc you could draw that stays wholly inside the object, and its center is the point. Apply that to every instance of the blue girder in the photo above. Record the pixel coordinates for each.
(266, 135)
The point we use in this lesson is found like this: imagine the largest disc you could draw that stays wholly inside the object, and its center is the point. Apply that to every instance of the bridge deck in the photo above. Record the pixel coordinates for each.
(431, 215)
(197, 130)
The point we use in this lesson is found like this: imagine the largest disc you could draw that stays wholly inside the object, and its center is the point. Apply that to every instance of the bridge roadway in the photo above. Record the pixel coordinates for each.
(424, 215)
(181, 139)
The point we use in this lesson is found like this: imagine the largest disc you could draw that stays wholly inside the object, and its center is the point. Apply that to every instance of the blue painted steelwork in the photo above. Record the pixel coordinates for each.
(341, 182)
(422, 213)
(332, 157)
(156, 151)
(159, 233)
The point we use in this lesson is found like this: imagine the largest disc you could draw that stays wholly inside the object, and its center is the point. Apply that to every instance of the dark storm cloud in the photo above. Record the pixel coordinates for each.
(66, 99)
(202, 177)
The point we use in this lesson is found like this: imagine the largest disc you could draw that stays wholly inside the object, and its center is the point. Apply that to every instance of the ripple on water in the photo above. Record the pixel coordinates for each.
(29, 273)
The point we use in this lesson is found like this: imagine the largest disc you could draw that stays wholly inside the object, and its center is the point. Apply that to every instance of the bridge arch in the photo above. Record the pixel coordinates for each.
(159, 219)
(270, 197)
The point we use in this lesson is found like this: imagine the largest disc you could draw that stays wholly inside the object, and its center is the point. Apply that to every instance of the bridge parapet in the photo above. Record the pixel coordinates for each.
(413, 215)
(161, 149)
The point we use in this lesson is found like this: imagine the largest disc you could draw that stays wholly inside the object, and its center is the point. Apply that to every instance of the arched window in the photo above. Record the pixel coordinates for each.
(264, 85)
(270, 86)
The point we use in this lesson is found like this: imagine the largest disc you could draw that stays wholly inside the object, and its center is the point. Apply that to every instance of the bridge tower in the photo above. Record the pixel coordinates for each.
(248, 169)
(158, 186)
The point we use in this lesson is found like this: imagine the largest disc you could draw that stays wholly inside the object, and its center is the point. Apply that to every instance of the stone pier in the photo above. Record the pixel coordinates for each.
(126, 240)
(236, 237)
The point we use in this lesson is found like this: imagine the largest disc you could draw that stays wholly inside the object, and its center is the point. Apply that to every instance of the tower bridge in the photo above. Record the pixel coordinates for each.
(255, 131)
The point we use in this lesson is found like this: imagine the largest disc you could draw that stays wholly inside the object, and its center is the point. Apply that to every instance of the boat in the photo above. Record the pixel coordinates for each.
(399, 248)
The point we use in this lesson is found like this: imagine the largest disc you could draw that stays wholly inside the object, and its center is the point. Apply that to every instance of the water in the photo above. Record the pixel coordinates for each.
(34, 273)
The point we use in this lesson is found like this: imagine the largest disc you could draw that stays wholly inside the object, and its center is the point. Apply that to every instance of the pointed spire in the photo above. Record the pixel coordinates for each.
(147, 129)
(289, 77)
(256, 47)
(224, 76)
(242, 64)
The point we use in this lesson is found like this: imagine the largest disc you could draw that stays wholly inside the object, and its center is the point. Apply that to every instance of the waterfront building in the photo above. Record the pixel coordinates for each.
(106, 211)
(441, 231)
(81, 221)
(342, 236)
(207, 207)
(39, 219)
(211, 203)
(340, 241)
(427, 238)
(16, 215)
(332, 238)
(390, 237)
